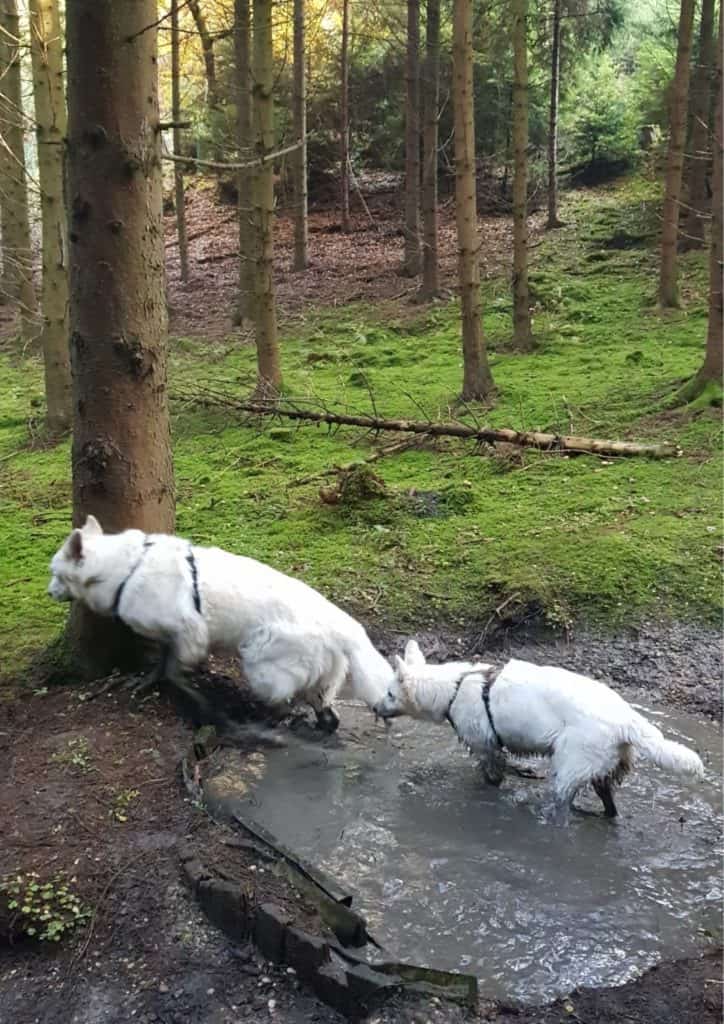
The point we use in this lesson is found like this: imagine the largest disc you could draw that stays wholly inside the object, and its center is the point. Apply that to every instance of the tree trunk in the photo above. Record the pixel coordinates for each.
(265, 317)
(708, 381)
(17, 246)
(299, 160)
(344, 119)
(553, 220)
(244, 141)
(213, 101)
(178, 174)
(431, 98)
(522, 334)
(477, 379)
(121, 458)
(411, 265)
(51, 122)
(697, 201)
(668, 289)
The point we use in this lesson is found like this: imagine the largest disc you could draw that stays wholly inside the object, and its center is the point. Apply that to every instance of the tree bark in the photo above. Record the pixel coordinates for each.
(17, 246)
(697, 201)
(178, 174)
(244, 141)
(709, 378)
(51, 122)
(553, 219)
(522, 333)
(668, 289)
(299, 160)
(411, 265)
(344, 120)
(121, 457)
(265, 318)
(213, 100)
(477, 378)
(431, 97)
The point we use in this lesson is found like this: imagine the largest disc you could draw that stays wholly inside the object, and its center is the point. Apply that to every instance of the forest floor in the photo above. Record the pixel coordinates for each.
(464, 546)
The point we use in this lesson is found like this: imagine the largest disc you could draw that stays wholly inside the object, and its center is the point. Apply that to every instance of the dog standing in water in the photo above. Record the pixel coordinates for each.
(589, 732)
(195, 601)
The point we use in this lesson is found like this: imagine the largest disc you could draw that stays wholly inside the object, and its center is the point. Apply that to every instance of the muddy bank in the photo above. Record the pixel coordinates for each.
(678, 664)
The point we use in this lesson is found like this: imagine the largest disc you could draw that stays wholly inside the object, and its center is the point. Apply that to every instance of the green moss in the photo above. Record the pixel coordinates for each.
(458, 532)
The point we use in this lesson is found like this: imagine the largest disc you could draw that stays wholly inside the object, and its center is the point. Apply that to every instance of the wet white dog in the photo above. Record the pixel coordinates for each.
(195, 601)
(589, 732)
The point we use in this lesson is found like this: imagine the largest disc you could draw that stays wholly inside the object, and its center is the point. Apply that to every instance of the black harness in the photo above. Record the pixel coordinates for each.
(148, 543)
(490, 676)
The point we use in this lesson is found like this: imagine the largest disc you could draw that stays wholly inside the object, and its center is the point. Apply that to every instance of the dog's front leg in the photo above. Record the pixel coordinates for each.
(327, 718)
(492, 765)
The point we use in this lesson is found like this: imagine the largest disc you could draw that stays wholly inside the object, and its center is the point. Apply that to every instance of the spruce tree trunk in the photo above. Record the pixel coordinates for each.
(709, 377)
(299, 159)
(344, 120)
(477, 379)
(522, 334)
(213, 100)
(553, 219)
(668, 289)
(51, 122)
(17, 245)
(430, 287)
(122, 469)
(178, 176)
(244, 141)
(411, 265)
(697, 201)
(265, 318)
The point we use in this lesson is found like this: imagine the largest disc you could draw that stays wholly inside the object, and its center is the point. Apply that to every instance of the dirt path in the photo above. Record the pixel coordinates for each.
(91, 788)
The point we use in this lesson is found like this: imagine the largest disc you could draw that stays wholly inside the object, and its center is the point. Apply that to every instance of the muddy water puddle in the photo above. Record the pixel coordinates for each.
(453, 874)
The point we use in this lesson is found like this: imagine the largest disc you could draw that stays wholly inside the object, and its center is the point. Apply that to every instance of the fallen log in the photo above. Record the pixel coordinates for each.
(539, 440)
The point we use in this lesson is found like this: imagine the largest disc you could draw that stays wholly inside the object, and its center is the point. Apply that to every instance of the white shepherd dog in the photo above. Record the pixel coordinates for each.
(589, 732)
(197, 600)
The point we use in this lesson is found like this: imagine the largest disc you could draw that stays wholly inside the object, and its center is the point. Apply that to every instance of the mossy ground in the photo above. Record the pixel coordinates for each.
(579, 538)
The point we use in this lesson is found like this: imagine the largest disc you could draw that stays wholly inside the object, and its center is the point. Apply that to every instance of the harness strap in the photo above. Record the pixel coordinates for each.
(490, 676)
(194, 578)
(453, 699)
(147, 543)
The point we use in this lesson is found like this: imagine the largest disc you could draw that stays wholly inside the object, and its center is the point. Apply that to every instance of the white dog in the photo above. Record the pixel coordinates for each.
(196, 600)
(589, 732)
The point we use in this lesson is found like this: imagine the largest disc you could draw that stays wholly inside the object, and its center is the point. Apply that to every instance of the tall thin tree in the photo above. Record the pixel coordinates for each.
(709, 377)
(244, 141)
(344, 120)
(668, 288)
(121, 458)
(411, 263)
(522, 333)
(46, 48)
(299, 118)
(265, 316)
(430, 286)
(178, 174)
(553, 219)
(477, 378)
(697, 201)
(213, 91)
(17, 246)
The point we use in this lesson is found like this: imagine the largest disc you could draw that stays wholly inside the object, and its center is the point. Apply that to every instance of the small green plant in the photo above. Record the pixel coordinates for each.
(77, 754)
(45, 910)
(119, 810)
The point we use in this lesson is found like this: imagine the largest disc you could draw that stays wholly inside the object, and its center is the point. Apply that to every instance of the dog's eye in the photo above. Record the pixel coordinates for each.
(390, 694)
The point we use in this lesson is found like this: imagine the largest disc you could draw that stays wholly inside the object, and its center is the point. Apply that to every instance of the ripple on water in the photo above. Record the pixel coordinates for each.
(454, 874)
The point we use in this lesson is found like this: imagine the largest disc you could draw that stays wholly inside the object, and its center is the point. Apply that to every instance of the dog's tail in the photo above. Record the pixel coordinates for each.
(665, 753)
(370, 674)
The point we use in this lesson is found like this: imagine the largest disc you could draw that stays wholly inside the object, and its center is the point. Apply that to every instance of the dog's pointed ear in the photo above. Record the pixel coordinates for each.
(401, 667)
(413, 655)
(74, 546)
(92, 525)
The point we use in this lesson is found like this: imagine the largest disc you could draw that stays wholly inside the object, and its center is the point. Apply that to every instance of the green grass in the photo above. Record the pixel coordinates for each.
(607, 541)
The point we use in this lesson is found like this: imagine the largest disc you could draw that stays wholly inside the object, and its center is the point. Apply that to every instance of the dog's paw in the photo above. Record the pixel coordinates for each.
(327, 720)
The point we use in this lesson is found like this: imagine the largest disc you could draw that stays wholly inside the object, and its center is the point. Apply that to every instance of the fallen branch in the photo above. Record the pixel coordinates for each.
(544, 442)
(260, 161)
